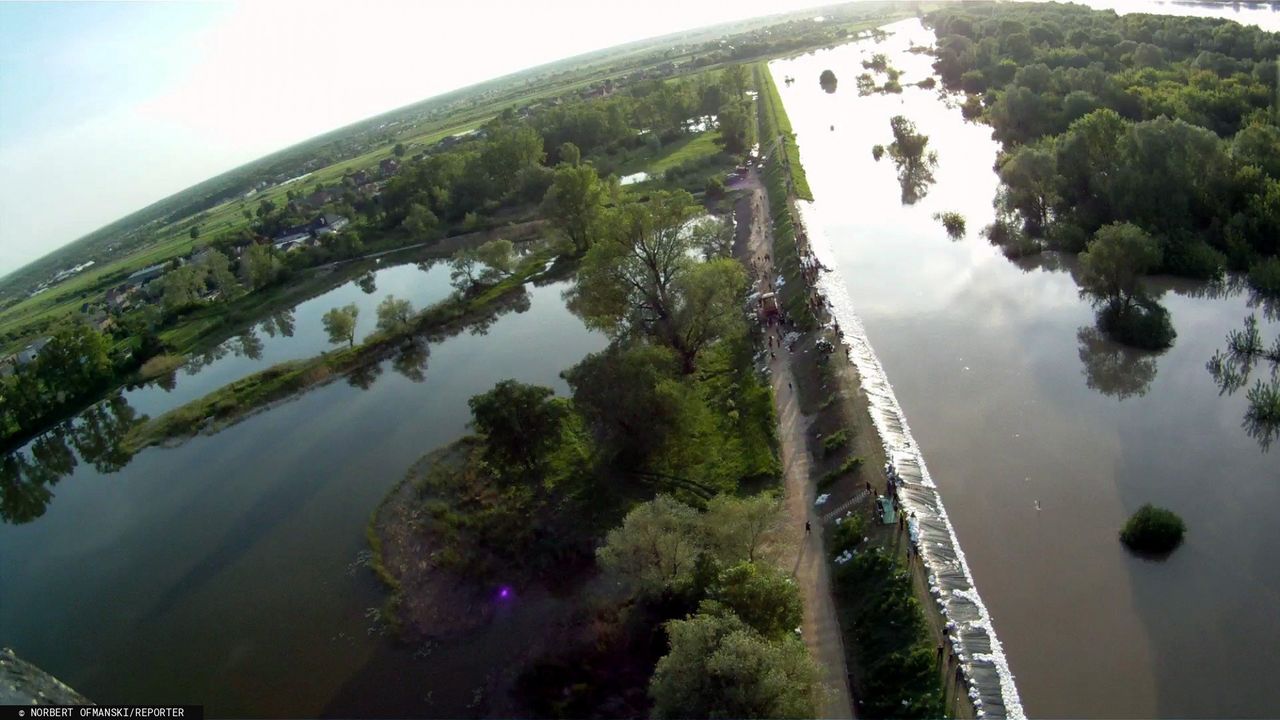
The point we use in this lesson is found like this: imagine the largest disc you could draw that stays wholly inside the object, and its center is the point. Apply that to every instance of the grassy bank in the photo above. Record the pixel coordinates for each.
(781, 175)
(239, 399)
(776, 137)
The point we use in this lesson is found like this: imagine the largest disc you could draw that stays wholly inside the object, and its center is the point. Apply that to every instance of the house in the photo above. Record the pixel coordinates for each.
(146, 275)
(320, 198)
(360, 178)
(305, 234)
(28, 354)
(121, 298)
(326, 224)
(388, 167)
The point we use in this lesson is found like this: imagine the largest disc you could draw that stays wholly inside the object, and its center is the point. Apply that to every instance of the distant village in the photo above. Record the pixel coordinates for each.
(143, 287)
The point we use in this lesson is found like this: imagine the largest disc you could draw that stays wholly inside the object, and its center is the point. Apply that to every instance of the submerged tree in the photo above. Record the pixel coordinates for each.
(1232, 370)
(828, 81)
(953, 222)
(915, 162)
(1111, 270)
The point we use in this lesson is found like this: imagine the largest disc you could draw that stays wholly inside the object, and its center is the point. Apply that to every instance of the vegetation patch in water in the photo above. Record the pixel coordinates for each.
(1153, 530)
(953, 222)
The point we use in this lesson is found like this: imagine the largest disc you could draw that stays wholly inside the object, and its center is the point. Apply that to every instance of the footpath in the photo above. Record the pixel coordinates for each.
(821, 629)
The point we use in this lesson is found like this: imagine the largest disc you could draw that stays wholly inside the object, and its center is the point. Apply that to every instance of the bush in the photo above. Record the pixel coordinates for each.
(1264, 277)
(1145, 325)
(877, 152)
(835, 441)
(848, 466)
(848, 534)
(1153, 530)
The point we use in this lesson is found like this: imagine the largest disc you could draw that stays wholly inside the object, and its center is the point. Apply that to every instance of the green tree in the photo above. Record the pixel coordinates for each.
(216, 268)
(180, 288)
(569, 154)
(259, 266)
(656, 547)
(194, 232)
(1031, 176)
(76, 360)
(394, 315)
(498, 255)
(340, 324)
(762, 597)
(520, 425)
(574, 203)
(630, 397)
(639, 279)
(749, 528)
(737, 124)
(420, 221)
(720, 667)
(1117, 257)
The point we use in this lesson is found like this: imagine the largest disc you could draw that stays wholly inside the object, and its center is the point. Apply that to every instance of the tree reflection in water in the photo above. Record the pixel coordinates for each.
(1233, 368)
(1113, 369)
(280, 323)
(28, 475)
(411, 361)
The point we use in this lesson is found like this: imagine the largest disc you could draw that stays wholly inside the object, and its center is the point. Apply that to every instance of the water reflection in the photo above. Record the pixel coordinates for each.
(365, 376)
(248, 345)
(1233, 368)
(27, 475)
(368, 283)
(411, 360)
(280, 323)
(1113, 369)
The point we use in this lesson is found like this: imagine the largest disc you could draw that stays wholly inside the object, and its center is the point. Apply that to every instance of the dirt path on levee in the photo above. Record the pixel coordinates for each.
(821, 629)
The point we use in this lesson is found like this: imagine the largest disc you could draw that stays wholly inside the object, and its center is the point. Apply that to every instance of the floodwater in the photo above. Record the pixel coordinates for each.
(1043, 438)
(295, 333)
(229, 571)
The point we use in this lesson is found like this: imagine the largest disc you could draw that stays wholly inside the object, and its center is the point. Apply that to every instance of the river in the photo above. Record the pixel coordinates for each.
(1041, 437)
(228, 570)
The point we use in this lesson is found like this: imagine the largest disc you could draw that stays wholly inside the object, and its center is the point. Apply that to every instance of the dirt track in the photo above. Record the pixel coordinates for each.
(821, 630)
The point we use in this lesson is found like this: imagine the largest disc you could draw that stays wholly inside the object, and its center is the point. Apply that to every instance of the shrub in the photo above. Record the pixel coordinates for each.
(835, 441)
(850, 465)
(1153, 530)
(848, 534)
(877, 152)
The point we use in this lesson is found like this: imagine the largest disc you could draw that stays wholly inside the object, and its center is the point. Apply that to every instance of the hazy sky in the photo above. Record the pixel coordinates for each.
(107, 107)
